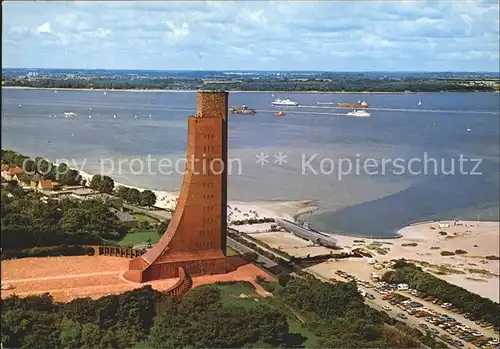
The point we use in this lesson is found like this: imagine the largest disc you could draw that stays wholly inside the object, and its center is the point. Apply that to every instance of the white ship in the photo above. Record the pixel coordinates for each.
(285, 102)
(70, 114)
(359, 113)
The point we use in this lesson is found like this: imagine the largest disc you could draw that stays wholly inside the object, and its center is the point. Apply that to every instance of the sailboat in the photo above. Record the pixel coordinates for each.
(135, 116)
(90, 116)
(50, 116)
(105, 93)
(20, 106)
(114, 116)
(419, 103)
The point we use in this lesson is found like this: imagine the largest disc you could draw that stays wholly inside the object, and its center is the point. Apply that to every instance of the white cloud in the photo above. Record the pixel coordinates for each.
(44, 28)
(460, 35)
(177, 32)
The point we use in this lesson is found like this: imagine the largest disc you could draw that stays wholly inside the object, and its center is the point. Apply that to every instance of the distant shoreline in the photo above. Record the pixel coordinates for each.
(192, 91)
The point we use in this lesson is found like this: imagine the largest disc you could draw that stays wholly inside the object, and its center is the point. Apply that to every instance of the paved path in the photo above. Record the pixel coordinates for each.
(243, 249)
(157, 214)
(57, 277)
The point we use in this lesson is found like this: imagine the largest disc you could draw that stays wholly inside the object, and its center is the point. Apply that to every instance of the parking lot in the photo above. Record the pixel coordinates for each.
(426, 313)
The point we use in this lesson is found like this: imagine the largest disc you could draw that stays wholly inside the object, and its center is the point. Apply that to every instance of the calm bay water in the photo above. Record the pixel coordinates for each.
(360, 203)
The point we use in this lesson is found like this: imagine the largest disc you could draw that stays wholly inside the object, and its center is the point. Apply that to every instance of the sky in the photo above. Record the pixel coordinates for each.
(255, 35)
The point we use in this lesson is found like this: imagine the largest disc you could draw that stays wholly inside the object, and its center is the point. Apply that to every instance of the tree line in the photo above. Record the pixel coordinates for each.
(42, 168)
(346, 83)
(338, 316)
(28, 222)
(141, 318)
(415, 277)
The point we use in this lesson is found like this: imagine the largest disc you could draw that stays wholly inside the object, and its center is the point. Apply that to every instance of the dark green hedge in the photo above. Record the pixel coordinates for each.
(52, 251)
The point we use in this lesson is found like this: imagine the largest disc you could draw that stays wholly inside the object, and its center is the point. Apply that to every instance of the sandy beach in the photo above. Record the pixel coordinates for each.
(237, 210)
(466, 245)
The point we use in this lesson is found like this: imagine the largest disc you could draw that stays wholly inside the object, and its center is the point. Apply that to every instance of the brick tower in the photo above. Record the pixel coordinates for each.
(196, 236)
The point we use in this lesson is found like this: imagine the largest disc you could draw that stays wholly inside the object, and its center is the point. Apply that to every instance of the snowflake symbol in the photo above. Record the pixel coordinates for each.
(262, 158)
(280, 158)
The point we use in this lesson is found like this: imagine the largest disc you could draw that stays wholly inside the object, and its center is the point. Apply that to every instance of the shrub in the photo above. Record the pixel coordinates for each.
(53, 251)
(260, 279)
(447, 253)
(460, 252)
(410, 244)
(492, 258)
(443, 233)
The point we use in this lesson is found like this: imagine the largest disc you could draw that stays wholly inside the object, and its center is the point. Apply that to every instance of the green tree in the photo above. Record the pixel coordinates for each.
(147, 198)
(122, 192)
(134, 196)
(103, 184)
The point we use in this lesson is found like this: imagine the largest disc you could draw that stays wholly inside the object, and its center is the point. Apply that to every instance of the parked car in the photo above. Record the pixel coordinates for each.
(424, 326)
(402, 316)
(457, 343)
(387, 308)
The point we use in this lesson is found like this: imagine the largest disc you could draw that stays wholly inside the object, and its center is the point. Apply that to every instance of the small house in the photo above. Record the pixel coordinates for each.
(45, 184)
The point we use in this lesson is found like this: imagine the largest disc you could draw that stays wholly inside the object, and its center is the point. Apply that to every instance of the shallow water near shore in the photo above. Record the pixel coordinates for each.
(356, 203)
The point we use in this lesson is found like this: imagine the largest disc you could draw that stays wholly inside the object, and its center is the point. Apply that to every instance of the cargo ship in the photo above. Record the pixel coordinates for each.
(354, 105)
(242, 110)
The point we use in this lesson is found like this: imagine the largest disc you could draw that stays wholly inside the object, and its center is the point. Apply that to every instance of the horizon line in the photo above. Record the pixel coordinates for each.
(258, 70)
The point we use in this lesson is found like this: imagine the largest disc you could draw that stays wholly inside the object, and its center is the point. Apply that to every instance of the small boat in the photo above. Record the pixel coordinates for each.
(50, 116)
(468, 129)
(326, 103)
(70, 114)
(135, 116)
(20, 106)
(242, 110)
(105, 93)
(359, 113)
(433, 124)
(114, 116)
(279, 113)
(285, 102)
(90, 108)
(55, 92)
(90, 116)
(419, 103)
(149, 115)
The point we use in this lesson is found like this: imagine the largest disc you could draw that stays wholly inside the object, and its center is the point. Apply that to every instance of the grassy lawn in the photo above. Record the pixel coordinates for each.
(231, 252)
(139, 237)
(230, 293)
(142, 217)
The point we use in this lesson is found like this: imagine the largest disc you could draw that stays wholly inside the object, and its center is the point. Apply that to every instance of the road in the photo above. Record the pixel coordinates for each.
(235, 245)
(157, 214)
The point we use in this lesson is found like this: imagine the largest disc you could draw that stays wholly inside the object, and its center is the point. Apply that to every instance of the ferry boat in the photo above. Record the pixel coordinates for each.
(69, 114)
(285, 102)
(354, 105)
(359, 113)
